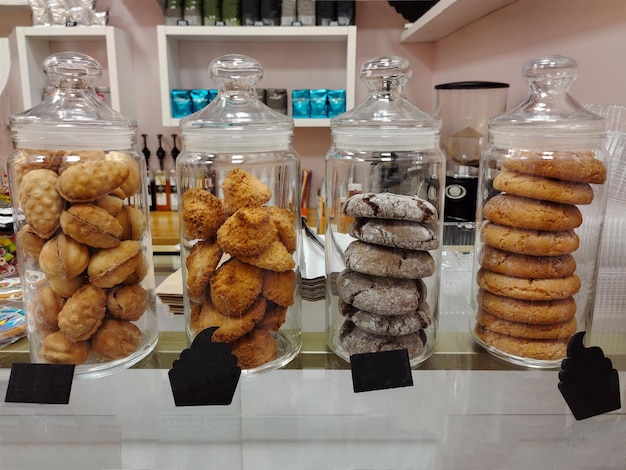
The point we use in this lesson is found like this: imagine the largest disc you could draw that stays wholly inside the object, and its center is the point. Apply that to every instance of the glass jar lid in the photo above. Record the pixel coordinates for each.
(73, 115)
(549, 113)
(386, 119)
(236, 119)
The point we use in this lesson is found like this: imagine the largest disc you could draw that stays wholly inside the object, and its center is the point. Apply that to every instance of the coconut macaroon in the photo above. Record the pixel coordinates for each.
(241, 189)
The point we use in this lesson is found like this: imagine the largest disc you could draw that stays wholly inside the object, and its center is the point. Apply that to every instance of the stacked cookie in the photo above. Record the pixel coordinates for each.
(88, 244)
(381, 292)
(248, 294)
(527, 273)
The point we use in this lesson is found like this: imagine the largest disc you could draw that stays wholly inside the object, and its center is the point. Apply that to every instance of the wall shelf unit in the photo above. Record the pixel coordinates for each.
(326, 54)
(32, 44)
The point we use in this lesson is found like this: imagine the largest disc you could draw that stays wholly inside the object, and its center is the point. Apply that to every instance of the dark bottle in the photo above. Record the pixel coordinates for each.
(172, 177)
(160, 180)
(151, 190)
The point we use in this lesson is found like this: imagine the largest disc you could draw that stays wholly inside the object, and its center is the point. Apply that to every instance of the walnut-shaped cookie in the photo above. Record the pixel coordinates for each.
(57, 348)
(116, 339)
(83, 313)
(63, 257)
(112, 266)
(91, 225)
(86, 182)
(40, 201)
(127, 302)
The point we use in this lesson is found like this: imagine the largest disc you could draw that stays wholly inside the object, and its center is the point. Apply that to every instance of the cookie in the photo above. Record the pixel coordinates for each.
(127, 302)
(357, 341)
(527, 311)
(86, 182)
(40, 202)
(248, 232)
(275, 258)
(528, 289)
(526, 266)
(201, 263)
(390, 206)
(285, 223)
(202, 214)
(255, 349)
(91, 225)
(531, 214)
(82, 314)
(545, 189)
(241, 189)
(395, 233)
(56, 348)
(388, 325)
(563, 329)
(274, 318)
(582, 167)
(279, 287)
(63, 257)
(234, 287)
(231, 328)
(529, 242)
(379, 260)
(381, 295)
(539, 349)
(116, 339)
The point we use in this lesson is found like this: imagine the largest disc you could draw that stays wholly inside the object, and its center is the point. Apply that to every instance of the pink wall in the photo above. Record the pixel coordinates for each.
(492, 48)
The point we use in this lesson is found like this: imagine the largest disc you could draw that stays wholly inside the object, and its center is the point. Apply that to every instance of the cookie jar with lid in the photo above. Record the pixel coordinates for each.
(541, 203)
(81, 219)
(384, 217)
(239, 179)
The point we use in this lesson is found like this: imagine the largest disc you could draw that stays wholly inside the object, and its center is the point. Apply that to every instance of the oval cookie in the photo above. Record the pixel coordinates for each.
(546, 189)
(582, 166)
(563, 329)
(379, 260)
(527, 266)
(388, 325)
(527, 311)
(395, 233)
(528, 289)
(390, 206)
(357, 341)
(529, 242)
(539, 349)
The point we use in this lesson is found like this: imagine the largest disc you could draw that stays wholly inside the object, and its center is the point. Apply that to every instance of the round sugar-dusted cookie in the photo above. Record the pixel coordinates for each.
(395, 233)
(529, 242)
(563, 329)
(527, 311)
(388, 325)
(527, 266)
(379, 260)
(545, 189)
(356, 341)
(526, 213)
(539, 349)
(581, 166)
(390, 206)
(528, 289)
(381, 295)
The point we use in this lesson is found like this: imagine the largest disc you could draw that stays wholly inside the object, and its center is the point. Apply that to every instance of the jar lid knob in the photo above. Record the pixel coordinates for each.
(553, 71)
(235, 72)
(385, 73)
(72, 69)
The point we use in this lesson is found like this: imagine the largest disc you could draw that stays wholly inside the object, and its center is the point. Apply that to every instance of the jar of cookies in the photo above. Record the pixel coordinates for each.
(541, 204)
(384, 216)
(81, 218)
(239, 178)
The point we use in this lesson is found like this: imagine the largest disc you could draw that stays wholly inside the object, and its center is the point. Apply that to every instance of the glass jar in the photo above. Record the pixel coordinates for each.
(81, 219)
(384, 216)
(239, 178)
(541, 205)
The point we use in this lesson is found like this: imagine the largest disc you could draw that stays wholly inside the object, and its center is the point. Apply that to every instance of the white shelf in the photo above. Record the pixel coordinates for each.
(447, 16)
(14, 3)
(178, 48)
(31, 45)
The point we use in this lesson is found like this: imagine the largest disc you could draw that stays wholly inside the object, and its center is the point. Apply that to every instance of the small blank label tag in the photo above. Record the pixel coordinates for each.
(40, 383)
(381, 370)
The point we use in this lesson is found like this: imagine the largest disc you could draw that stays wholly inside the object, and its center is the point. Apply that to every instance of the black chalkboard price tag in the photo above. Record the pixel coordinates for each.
(40, 383)
(381, 370)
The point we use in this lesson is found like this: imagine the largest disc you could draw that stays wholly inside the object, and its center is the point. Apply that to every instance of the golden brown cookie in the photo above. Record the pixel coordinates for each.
(67, 287)
(527, 311)
(529, 242)
(40, 201)
(528, 289)
(116, 339)
(29, 242)
(234, 287)
(255, 349)
(201, 263)
(539, 349)
(83, 313)
(91, 225)
(582, 167)
(275, 258)
(531, 214)
(127, 302)
(133, 222)
(279, 287)
(517, 265)
(27, 160)
(46, 307)
(563, 329)
(56, 348)
(285, 223)
(63, 258)
(241, 189)
(110, 203)
(86, 182)
(140, 272)
(274, 317)
(248, 232)
(232, 328)
(132, 184)
(545, 189)
(112, 266)
(202, 214)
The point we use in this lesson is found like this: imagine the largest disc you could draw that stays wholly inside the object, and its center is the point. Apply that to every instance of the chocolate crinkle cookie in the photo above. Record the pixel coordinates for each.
(390, 206)
(357, 341)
